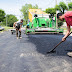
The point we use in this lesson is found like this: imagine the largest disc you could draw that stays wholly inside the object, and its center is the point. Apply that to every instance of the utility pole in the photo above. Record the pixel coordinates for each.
(6, 20)
(56, 17)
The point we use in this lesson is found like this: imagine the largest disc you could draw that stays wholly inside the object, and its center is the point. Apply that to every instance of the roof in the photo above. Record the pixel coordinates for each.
(36, 11)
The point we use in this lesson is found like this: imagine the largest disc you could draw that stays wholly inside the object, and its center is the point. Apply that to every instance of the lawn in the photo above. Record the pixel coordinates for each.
(6, 28)
(65, 29)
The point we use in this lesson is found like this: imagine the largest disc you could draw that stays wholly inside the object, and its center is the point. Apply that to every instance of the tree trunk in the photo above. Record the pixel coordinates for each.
(63, 11)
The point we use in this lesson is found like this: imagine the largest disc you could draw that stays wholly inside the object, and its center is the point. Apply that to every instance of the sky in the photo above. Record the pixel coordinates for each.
(14, 6)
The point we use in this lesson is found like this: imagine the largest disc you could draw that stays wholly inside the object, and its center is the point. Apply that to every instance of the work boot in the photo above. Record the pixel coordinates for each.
(20, 37)
(17, 37)
(69, 54)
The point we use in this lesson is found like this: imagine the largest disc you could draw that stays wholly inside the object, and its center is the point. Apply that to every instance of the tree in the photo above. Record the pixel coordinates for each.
(10, 20)
(60, 23)
(25, 11)
(57, 7)
(2, 15)
(70, 10)
(70, 6)
(35, 7)
(52, 11)
(61, 7)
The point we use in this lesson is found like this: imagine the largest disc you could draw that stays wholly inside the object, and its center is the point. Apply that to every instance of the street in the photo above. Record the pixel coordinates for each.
(29, 53)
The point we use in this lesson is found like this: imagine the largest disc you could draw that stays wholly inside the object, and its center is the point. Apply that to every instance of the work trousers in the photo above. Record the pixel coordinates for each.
(17, 31)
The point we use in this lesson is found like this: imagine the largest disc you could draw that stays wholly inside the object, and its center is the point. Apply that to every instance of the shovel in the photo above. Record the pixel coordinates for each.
(52, 51)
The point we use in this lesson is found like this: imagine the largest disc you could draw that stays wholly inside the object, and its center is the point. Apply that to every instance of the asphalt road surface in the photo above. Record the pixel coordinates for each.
(29, 53)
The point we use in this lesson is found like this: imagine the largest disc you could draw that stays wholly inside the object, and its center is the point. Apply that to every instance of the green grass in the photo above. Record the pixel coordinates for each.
(6, 28)
(66, 29)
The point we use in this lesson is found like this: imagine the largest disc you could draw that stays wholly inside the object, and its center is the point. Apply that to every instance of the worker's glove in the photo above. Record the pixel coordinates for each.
(63, 39)
(20, 30)
(13, 27)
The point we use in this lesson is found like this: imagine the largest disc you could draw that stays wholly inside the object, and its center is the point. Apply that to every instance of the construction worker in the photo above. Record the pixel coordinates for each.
(68, 18)
(17, 26)
(28, 26)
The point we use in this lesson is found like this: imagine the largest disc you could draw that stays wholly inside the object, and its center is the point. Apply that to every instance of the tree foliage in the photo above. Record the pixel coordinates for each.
(25, 11)
(10, 20)
(52, 11)
(70, 5)
(61, 7)
(70, 10)
(2, 15)
(60, 23)
(57, 7)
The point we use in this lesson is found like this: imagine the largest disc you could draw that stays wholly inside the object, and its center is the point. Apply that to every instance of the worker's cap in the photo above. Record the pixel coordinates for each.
(59, 14)
(27, 24)
(22, 20)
